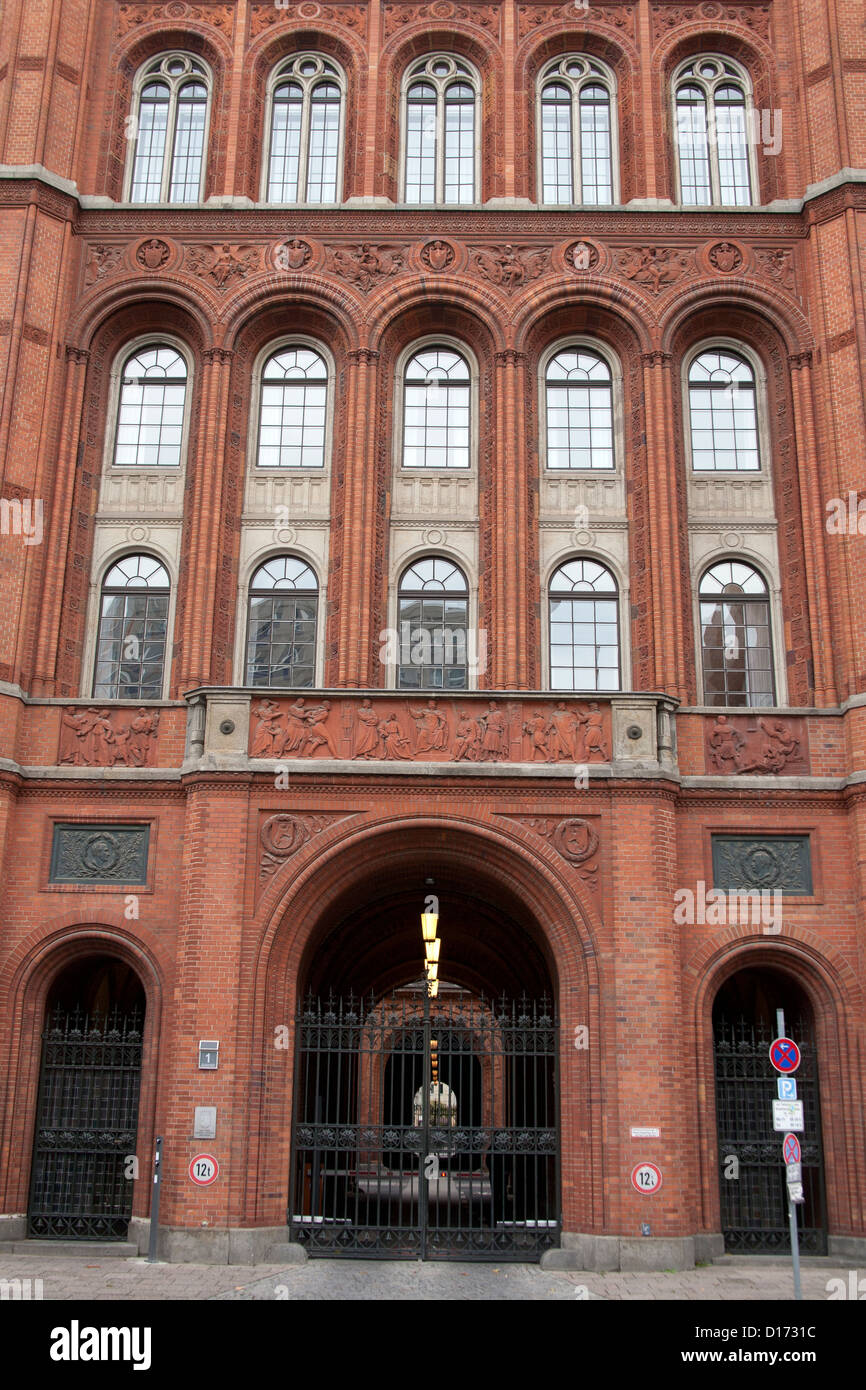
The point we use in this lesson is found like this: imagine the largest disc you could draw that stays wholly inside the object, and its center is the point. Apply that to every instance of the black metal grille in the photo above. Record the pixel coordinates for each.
(754, 1201)
(469, 1170)
(85, 1126)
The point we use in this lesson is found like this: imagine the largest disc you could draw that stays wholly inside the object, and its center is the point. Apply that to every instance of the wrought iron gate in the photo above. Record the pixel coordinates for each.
(753, 1191)
(86, 1121)
(387, 1163)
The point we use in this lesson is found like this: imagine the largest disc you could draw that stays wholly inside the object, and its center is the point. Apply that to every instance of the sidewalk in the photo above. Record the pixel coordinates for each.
(329, 1280)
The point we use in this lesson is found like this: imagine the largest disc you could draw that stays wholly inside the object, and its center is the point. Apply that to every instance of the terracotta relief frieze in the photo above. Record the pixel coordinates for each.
(484, 16)
(668, 17)
(653, 267)
(536, 16)
(757, 743)
(352, 17)
(222, 264)
(283, 834)
(131, 16)
(104, 738)
(575, 838)
(366, 265)
(432, 729)
(511, 267)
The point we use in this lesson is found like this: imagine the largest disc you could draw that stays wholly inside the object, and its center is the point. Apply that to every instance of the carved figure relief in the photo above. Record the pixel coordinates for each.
(101, 261)
(102, 738)
(567, 734)
(223, 263)
(777, 265)
(511, 266)
(656, 267)
(365, 265)
(757, 743)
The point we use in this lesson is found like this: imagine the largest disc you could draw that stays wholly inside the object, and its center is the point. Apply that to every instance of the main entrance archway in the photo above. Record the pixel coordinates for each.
(386, 1161)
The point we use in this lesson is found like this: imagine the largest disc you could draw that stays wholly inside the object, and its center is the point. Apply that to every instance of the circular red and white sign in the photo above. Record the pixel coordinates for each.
(791, 1148)
(646, 1177)
(785, 1055)
(204, 1169)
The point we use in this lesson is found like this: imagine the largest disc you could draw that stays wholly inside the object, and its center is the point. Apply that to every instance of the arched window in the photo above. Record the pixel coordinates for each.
(169, 127)
(150, 412)
(579, 404)
(577, 131)
(281, 633)
(293, 407)
(133, 620)
(440, 131)
(433, 618)
(722, 412)
(305, 131)
(584, 628)
(736, 645)
(714, 119)
(436, 410)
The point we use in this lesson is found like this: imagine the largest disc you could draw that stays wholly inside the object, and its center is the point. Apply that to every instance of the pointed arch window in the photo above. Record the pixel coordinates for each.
(577, 98)
(579, 405)
(433, 620)
(584, 628)
(440, 97)
(305, 131)
(133, 622)
(281, 629)
(169, 130)
(714, 118)
(292, 418)
(736, 642)
(722, 413)
(150, 416)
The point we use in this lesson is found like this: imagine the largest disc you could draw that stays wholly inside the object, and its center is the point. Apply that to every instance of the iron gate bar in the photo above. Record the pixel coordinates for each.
(366, 1123)
(754, 1206)
(86, 1123)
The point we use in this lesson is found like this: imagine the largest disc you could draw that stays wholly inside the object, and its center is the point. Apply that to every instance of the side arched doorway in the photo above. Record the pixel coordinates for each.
(426, 1128)
(87, 1108)
(752, 1184)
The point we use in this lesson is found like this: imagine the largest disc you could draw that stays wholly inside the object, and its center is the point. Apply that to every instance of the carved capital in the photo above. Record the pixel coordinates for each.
(797, 360)
(76, 354)
(510, 357)
(217, 354)
(656, 358)
(364, 356)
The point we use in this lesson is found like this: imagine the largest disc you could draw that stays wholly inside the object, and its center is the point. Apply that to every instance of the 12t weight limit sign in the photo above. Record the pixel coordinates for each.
(646, 1178)
(204, 1170)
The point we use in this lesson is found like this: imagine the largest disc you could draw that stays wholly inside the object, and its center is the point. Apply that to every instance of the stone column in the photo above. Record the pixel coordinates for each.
(508, 523)
(665, 526)
(814, 533)
(355, 538)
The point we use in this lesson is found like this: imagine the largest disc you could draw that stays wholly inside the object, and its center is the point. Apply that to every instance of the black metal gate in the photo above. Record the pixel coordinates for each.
(87, 1113)
(387, 1162)
(753, 1190)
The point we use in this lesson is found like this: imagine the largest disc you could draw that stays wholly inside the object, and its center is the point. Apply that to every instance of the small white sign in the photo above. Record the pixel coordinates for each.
(645, 1132)
(788, 1114)
(786, 1088)
(793, 1173)
(795, 1192)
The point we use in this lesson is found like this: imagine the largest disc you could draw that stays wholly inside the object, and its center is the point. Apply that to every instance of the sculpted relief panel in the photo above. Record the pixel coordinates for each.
(757, 743)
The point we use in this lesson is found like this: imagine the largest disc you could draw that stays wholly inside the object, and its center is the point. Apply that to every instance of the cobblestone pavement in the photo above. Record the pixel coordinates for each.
(124, 1280)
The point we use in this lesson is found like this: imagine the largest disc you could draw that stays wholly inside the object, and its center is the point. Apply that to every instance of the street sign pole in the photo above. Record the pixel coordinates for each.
(792, 1210)
(154, 1203)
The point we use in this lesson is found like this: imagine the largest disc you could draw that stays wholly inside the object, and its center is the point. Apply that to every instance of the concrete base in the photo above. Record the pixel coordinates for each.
(607, 1253)
(13, 1227)
(252, 1245)
(708, 1246)
(847, 1248)
(76, 1249)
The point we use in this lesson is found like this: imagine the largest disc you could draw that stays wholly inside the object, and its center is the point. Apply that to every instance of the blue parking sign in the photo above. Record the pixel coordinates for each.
(786, 1087)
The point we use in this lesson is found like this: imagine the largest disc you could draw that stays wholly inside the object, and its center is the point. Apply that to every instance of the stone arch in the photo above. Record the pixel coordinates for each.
(27, 979)
(836, 998)
(414, 41)
(293, 915)
(555, 40)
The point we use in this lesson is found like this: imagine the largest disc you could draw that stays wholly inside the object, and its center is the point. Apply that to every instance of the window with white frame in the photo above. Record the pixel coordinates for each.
(713, 120)
(133, 622)
(150, 414)
(305, 131)
(579, 410)
(723, 413)
(281, 628)
(436, 409)
(576, 117)
(292, 415)
(440, 131)
(584, 627)
(168, 130)
(736, 636)
(433, 619)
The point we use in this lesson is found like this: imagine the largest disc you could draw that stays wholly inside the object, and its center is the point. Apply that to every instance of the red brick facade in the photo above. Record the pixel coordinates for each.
(238, 914)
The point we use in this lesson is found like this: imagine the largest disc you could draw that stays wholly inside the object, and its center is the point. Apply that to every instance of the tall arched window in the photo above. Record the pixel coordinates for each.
(714, 119)
(577, 131)
(293, 408)
(281, 632)
(722, 412)
(436, 410)
(305, 131)
(584, 628)
(439, 126)
(133, 621)
(169, 128)
(150, 412)
(432, 619)
(736, 645)
(579, 406)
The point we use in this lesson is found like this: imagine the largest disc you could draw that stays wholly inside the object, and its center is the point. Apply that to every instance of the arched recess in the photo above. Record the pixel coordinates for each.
(463, 41)
(125, 60)
(834, 996)
(536, 927)
(263, 55)
(554, 41)
(710, 317)
(127, 322)
(759, 61)
(30, 978)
